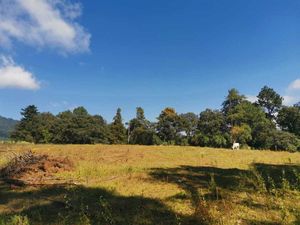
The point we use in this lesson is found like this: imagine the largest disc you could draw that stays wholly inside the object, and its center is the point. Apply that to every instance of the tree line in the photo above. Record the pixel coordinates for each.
(264, 124)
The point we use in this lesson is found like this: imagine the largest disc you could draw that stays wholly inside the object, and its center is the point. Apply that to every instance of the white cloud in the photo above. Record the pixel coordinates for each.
(292, 94)
(14, 76)
(295, 85)
(251, 98)
(289, 100)
(43, 23)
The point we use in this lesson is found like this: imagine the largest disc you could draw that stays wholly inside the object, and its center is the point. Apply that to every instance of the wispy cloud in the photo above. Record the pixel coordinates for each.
(14, 76)
(43, 23)
(59, 104)
(62, 105)
(289, 100)
(295, 85)
(292, 94)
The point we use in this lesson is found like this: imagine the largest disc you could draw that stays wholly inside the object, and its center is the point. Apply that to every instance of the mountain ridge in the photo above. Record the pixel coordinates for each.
(6, 126)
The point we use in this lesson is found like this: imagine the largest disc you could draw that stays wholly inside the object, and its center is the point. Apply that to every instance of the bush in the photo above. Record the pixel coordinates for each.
(14, 220)
(284, 141)
(217, 141)
(142, 136)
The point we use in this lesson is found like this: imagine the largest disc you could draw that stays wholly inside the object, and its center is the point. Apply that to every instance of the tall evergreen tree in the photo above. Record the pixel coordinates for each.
(139, 121)
(118, 130)
(27, 129)
(141, 131)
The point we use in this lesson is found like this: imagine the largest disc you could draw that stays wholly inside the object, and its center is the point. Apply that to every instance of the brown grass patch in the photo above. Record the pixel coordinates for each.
(33, 169)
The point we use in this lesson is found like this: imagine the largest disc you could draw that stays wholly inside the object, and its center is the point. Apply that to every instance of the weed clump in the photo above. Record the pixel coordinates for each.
(31, 168)
(14, 220)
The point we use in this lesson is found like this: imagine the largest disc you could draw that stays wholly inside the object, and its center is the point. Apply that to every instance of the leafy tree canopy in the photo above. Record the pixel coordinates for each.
(270, 101)
(233, 99)
(289, 119)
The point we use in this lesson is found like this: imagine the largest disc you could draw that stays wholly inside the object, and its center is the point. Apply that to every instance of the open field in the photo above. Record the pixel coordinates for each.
(157, 185)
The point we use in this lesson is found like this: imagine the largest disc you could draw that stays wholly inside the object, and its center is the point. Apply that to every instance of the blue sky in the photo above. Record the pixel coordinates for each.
(59, 54)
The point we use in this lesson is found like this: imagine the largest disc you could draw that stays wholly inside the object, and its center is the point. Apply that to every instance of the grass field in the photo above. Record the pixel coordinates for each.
(143, 185)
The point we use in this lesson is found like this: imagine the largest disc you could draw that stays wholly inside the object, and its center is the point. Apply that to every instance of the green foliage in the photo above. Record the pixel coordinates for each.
(189, 123)
(14, 220)
(251, 124)
(213, 187)
(106, 211)
(141, 131)
(241, 134)
(143, 136)
(289, 119)
(211, 130)
(46, 122)
(258, 129)
(27, 129)
(78, 127)
(270, 101)
(270, 138)
(284, 141)
(118, 130)
(69, 127)
(216, 141)
(169, 125)
(211, 122)
(19, 220)
(246, 113)
(233, 99)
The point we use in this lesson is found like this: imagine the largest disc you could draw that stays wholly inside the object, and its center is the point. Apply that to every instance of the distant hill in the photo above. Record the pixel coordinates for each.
(6, 126)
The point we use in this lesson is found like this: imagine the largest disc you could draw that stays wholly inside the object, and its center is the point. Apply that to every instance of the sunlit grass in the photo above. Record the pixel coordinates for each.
(172, 176)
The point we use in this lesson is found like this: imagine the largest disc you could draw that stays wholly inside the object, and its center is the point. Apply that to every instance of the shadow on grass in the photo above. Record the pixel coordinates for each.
(255, 222)
(276, 175)
(82, 205)
(191, 178)
(219, 182)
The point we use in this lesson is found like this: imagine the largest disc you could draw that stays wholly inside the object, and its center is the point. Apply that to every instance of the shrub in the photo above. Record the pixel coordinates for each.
(14, 220)
(284, 141)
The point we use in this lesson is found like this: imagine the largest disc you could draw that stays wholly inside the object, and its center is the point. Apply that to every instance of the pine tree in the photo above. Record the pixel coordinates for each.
(27, 129)
(118, 130)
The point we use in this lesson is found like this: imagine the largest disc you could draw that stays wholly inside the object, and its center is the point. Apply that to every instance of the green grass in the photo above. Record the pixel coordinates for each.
(164, 185)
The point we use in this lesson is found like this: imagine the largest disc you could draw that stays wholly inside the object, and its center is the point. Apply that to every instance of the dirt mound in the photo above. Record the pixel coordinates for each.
(34, 169)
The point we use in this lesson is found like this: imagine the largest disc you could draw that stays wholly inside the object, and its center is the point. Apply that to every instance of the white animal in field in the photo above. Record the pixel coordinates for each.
(236, 146)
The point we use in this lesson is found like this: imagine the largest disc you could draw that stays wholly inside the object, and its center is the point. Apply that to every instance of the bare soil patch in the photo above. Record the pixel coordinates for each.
(33, 169)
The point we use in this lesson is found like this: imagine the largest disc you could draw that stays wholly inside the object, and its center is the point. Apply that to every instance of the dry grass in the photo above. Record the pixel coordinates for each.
(160, 185)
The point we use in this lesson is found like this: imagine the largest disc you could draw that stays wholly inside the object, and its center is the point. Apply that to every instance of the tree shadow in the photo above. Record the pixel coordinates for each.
(256, 222)
(71, 204)
(191, 179)
(219, 182)
(82, 205)
(276, 176)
